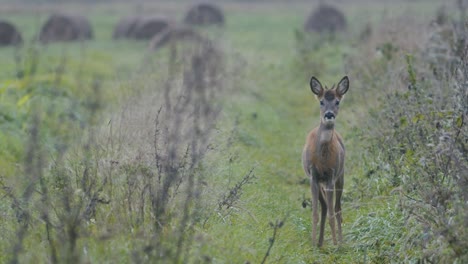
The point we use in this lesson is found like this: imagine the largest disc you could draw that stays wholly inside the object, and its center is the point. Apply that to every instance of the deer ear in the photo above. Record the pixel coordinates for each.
(343, 86)
(316, 86)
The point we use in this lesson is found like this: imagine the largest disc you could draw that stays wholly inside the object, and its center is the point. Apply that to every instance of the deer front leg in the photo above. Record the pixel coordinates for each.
(339, 191)
(331, 213)
(315, 195)
(323, 218)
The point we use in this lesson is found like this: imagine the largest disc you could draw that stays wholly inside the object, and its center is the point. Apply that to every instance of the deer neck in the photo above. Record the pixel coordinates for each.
(325, 135)
(325, 138)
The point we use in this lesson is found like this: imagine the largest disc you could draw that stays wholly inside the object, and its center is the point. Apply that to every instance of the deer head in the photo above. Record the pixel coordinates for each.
(329, 100)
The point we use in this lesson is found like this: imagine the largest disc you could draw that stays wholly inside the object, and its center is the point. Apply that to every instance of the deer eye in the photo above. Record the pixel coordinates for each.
(337, 103)
(321, 102)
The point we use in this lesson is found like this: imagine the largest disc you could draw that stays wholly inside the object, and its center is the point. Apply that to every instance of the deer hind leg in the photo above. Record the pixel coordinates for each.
(331, 213)
(315, 196)
(323, 218)
(339, 191)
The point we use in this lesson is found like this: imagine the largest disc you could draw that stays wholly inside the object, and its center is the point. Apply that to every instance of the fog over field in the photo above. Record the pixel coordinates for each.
(178, 131)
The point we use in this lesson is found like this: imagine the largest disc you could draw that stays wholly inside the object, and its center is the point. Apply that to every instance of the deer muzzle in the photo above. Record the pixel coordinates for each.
(329, 116)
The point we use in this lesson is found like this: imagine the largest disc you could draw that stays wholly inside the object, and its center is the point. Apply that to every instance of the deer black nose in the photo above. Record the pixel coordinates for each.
(329, 115)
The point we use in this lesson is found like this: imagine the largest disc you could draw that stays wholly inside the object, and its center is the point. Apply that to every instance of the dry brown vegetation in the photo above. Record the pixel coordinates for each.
(178, 34)
(418, 146)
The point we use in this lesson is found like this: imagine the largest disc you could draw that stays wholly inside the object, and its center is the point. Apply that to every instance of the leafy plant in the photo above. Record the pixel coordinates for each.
(425, 133)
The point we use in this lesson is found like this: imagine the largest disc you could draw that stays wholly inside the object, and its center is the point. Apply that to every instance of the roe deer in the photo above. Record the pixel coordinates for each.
(323, 159)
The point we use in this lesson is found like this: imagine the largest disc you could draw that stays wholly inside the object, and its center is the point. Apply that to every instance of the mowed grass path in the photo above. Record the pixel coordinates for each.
(276, 109)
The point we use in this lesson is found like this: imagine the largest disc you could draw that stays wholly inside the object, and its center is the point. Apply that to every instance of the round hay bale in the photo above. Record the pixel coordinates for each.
(179, 34)
(146, 28)
(204, 14)
(325, 19)
(125, 27)
(64, 27)
(9, 35)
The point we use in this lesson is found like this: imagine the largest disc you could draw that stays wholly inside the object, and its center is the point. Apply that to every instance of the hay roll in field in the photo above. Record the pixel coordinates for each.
(204, 14)
(325, 18)
(147, 28)
(140, 27)
(9, 35)
(65, 27)
(125, 27)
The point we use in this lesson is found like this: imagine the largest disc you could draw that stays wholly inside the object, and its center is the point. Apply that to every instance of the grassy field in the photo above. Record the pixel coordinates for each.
(94, 107)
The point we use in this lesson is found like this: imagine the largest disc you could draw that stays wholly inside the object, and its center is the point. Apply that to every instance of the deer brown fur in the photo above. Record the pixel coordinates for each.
(323, 160)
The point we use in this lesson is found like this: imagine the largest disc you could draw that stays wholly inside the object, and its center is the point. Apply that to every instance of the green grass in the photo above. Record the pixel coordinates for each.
(274, 110)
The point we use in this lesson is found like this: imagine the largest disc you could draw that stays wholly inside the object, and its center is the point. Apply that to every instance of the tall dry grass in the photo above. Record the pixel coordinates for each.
(142, 176)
